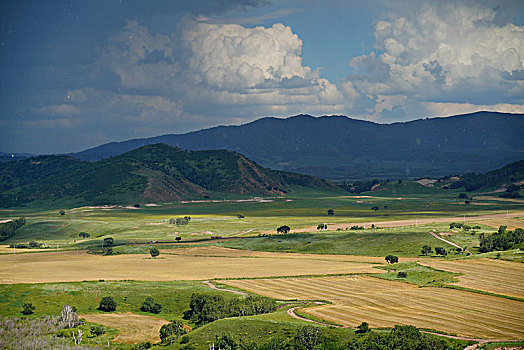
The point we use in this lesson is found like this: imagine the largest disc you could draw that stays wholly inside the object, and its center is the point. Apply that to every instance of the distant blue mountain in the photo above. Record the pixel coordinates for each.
(338, 147)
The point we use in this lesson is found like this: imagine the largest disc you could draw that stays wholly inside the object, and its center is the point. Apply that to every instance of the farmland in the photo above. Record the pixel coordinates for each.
(339, 265)
(387, 303)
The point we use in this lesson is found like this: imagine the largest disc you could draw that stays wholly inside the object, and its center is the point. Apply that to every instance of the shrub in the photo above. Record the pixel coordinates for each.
(28, 309)
(97, 330)
(107, 251)
(84, 235)
(107, 304)
(143, 346)
(154, 252)
(108, 241)
(402, 274)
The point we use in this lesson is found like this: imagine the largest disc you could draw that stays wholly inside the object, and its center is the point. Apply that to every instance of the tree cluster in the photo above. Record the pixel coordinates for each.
(149, 305)
(308, 337)
(512, 191)
(169, 332)
(501, 240)
(180, 221)
(107, 304)
(206, 308)
(322, 227)
(7, 229)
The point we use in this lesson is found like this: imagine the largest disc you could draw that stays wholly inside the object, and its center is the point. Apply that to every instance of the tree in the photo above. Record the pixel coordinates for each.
(178, 238)
(283, 229)
(226, 341)
(375, 208)
(28, 309)
(391, 259)
(69, 317)
(321, 227)
(84, 235)
(154, 252)
(169, 332)
(107, 251)
(463, 196)
(62, 212)
(240, 216)
(440, 251)
(363, 328)
(331, 212)
(108, 241)
(136, 205)
(402, 274)
(107, 304)
(149, 305)
(426, 250)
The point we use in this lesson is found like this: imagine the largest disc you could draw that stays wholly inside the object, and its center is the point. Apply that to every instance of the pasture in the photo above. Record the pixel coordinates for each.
(381, 303)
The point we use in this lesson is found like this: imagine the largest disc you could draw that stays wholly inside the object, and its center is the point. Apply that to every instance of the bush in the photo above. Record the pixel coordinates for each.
(97, 330)
(154, 252)
(108, 241)
(28, 309)
(143, 346)
(107, 251)
(402, 274)
(107, 304)
(149, 305)
(84, 235)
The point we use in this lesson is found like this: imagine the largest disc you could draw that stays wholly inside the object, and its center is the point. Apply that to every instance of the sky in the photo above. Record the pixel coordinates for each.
(76, 74)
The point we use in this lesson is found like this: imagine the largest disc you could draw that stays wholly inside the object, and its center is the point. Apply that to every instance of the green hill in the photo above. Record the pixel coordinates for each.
(151, 173)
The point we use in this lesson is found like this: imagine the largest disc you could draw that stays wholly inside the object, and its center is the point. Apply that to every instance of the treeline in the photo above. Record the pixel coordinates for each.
(359, 186)
(472, 181)
(206, 308)
(401, 337)
(501, 240)
(7, 229)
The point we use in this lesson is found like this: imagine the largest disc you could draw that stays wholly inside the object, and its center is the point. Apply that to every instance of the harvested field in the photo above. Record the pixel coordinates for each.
(133, 328)
(496, 276)
(239, 253)
(80, 266)
(511, 223)
(386, 303)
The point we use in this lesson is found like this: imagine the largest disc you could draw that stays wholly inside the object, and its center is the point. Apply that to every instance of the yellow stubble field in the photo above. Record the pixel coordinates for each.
(496, 276)
(382, 303)
(80, 266)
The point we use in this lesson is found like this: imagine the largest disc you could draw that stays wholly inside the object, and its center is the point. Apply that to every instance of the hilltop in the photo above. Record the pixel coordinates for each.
(154, 173)
(342, 148)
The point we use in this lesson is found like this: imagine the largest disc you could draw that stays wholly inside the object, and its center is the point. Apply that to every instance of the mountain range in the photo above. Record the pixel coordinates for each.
(151, 173)
(341, 148)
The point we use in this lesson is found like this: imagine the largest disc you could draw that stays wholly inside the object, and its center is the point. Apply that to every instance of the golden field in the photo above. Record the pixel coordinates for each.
(383, 303)
(496, 276)
(80, 266)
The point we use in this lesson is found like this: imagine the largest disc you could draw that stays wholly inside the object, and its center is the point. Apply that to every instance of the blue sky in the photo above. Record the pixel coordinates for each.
(76, 74)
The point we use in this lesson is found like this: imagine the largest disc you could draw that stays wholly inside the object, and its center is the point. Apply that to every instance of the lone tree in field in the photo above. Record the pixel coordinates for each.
(28, 309)
(154, 252)
(107, 304)
(375, 208)
(108, 241)
(84, 235)
(426, 250)
(331, 212)
(391, 259)
(283, 229)
(402, 274)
